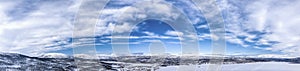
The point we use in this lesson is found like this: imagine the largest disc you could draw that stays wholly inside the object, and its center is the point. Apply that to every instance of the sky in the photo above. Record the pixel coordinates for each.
(255, 27)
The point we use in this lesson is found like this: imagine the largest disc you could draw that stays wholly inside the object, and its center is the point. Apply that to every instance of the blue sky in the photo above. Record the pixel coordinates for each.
(156, 27)
(252, 27)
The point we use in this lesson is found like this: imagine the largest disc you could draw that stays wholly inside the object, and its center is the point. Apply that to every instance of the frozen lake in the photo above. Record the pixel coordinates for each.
(259, 66)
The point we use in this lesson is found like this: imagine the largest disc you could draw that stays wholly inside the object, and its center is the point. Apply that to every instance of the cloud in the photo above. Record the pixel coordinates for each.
(202, 26)
(142, 37)
(38, 27)
(35, 27)
(147, 40)
(30, 30)
(121, 28)
(174, 33)
(118, 17)
(204, 36)
(268, 21)
(150, 33)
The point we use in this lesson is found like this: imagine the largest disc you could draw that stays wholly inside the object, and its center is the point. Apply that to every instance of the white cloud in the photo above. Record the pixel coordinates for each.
(204, 36)
(49, 24)
(147, 40)
(202, 26)
(104, 41)
(214, 37)
(121, 28)
(142, 37)
(150, 33)
(123, 37)
(174, 33)
(277, 19)
(234, 39)
(125, 43)
(31, 32)
(139, 10)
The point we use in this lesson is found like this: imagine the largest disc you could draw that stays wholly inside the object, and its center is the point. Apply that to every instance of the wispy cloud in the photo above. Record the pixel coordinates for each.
(174, 33)
(264, 22)
(29, 30)
(33, 27)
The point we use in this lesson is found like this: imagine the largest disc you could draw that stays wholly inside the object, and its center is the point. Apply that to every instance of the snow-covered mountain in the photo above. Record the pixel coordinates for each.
(85, 56)
(54, 55)
(18, 62)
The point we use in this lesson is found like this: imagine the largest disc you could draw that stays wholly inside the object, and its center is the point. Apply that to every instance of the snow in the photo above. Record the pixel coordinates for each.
(274, 56)
(113, 62)
(54, 55)
(85, 56)
(259, 66)
(10, 66)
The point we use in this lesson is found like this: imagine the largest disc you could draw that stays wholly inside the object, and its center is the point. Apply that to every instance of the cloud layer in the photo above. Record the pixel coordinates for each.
(267, 24)
(35, 27)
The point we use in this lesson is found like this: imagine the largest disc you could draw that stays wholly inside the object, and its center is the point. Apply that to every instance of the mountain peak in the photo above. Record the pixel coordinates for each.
(54, 55)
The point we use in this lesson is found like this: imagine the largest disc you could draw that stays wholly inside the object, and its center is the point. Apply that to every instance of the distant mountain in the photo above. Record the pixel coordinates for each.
(85, 56)
(54, 55)
(18, 62)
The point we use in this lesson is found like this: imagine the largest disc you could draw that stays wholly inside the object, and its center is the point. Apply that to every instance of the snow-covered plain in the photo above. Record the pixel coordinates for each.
(259, 66)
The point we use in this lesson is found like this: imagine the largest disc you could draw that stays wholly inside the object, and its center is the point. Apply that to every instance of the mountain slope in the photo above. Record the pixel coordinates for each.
(13, 61)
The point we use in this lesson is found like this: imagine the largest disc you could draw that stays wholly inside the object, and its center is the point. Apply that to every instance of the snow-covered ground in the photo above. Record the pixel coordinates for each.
(259, 66)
